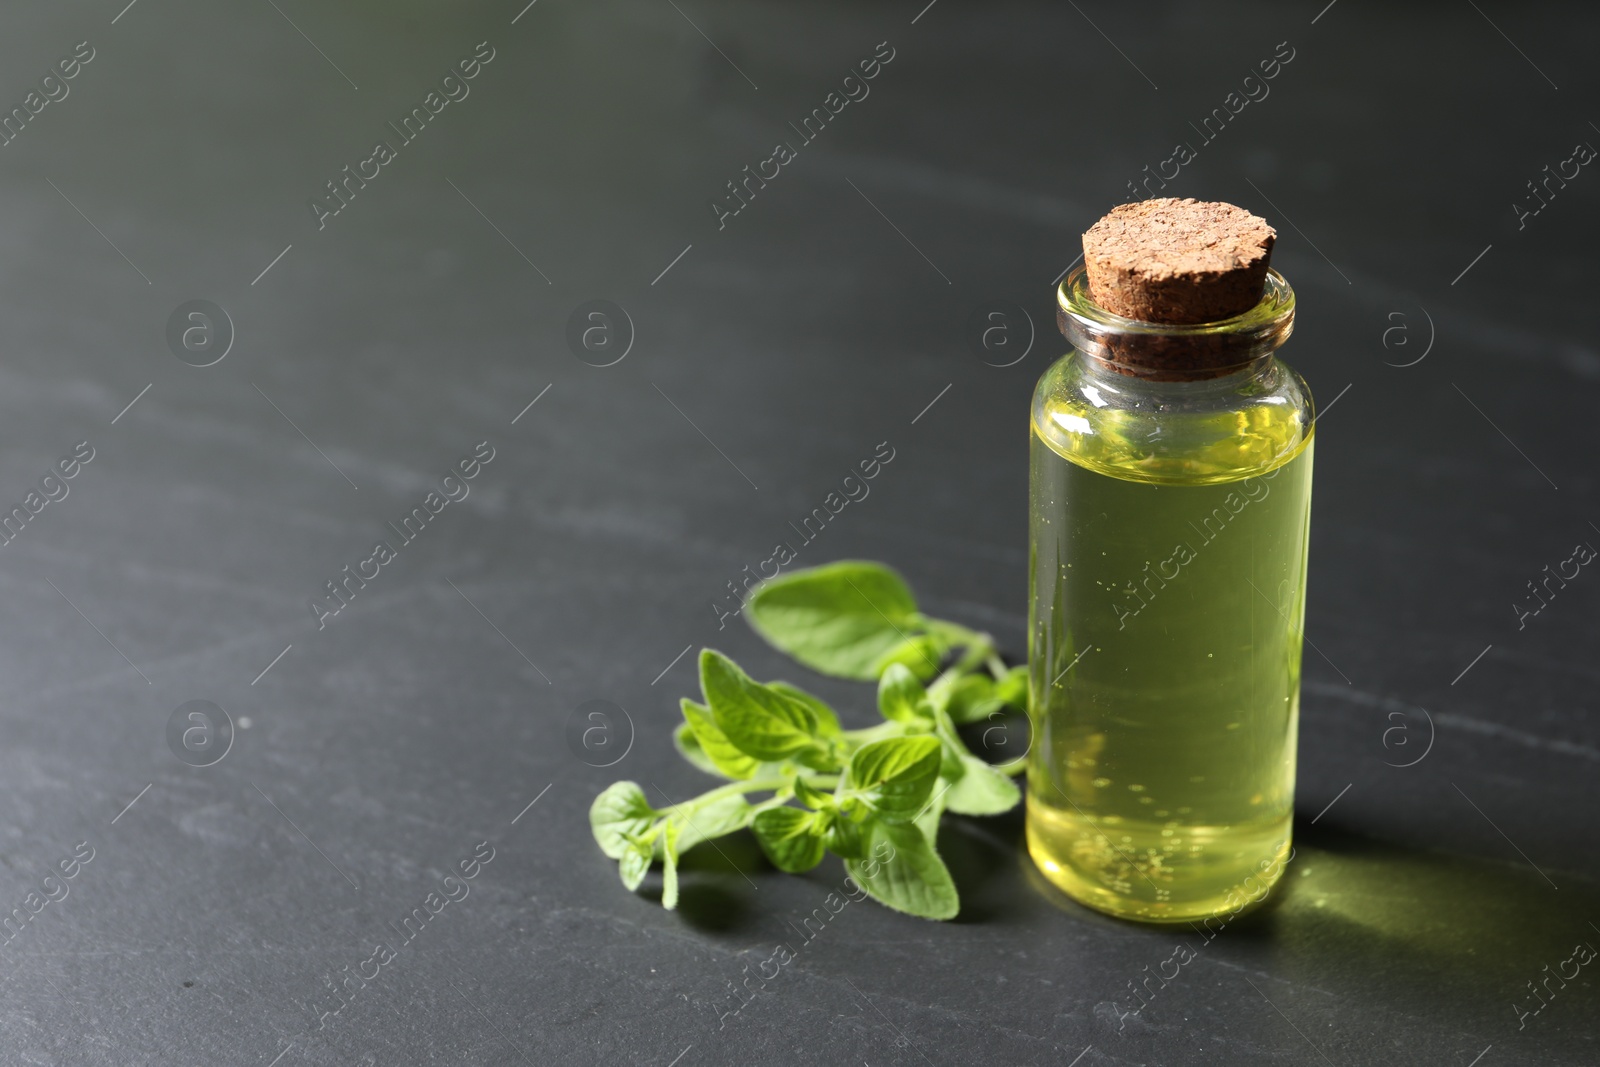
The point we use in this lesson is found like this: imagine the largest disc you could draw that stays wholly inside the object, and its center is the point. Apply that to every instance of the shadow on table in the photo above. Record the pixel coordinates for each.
(1455, 938)
(716, 882)
(1412, 931)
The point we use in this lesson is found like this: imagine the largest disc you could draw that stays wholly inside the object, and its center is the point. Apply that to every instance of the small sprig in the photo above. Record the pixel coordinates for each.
(875, 796)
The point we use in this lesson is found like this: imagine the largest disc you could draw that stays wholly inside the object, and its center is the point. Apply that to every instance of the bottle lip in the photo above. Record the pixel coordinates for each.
(1174, 352)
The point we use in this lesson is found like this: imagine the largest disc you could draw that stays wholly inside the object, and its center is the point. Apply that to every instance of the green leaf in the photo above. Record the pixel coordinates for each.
(920, 653)
(635, 863)
(840, 619)
(687, 828)
(618, 814)
(953, 750)
(790, 837)
(901, 697)
(758, 720)
(688, 746)
(895, 775)
(975, 787)
(723, 756)
(827, 721)
(845, 839)
(902, 870)
(1012, 690)
(893, 759)
(669, 872)
(720, 817)
(932, 813)
(981, 790)
(810, 797)
(972, 699)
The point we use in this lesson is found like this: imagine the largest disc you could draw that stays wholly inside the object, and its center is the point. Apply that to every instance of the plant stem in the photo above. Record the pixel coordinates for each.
(976, 649)
(875, 733)
(816, 781)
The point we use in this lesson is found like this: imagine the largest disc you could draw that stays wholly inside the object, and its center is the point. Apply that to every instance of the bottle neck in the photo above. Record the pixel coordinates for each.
(1187, 353)
(1099, 370)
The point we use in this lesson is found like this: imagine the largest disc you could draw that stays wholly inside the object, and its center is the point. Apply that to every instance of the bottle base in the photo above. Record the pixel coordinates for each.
(1155, 872)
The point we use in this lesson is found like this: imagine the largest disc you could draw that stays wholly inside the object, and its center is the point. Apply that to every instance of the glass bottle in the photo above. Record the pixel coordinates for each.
(1169, 517)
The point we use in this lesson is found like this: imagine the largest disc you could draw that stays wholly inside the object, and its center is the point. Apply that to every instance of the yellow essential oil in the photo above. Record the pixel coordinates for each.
(1169, 523)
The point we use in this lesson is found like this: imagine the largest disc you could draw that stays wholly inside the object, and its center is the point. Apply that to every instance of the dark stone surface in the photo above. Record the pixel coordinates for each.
(1388, 154)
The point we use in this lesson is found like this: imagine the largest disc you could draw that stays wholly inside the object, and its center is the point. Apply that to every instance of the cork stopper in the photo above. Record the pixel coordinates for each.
(1177, 261)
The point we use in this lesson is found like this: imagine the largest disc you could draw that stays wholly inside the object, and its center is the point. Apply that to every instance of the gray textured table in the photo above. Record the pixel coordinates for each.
(1449, 750)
